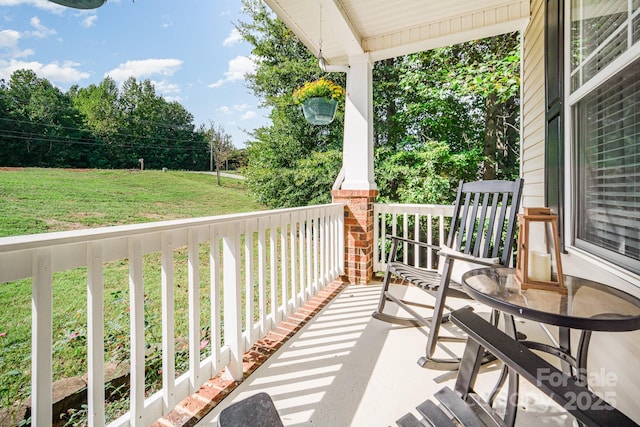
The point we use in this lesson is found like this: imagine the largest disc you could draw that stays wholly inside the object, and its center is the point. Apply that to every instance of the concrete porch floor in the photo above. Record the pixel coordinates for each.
(344, 368)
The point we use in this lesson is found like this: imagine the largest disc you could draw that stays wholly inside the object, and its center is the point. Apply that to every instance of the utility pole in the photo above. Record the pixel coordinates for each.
(211, 154)
(226, 157)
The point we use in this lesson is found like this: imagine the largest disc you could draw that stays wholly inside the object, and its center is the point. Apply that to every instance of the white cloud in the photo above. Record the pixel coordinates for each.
(144, 67)
(168, 22)
(165, 88)
(67, 72)
(40, 4)
(9, 45)
(249, 115)
(40, 30)
(236, 107)
(17, 53)
(89, 21)
(239, 67)
(233, 38)
(9, 38)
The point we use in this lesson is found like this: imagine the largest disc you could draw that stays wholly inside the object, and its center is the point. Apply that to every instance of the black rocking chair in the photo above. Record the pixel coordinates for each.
(482, 234)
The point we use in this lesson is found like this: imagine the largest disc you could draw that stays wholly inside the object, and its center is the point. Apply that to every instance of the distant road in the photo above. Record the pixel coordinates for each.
(225, 174)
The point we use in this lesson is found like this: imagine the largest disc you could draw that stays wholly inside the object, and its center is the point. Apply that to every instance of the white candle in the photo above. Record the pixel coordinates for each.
(539, 268)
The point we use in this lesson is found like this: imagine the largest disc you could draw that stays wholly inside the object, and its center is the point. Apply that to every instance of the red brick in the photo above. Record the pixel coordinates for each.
(220, 382)
(191, 405)
(212, 394)
(287, 326)
(176, 418)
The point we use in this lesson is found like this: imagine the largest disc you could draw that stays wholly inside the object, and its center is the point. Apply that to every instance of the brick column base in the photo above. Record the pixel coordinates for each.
(358, 233)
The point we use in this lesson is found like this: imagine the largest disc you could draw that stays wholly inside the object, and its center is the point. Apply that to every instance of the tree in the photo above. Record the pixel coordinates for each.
(220, 147)
(98, 106)
(237, 158)
(426, 174)
(134, 122)
(97, 126)
(40, 126)
(282, 152)
(490, 70)
(462, 96)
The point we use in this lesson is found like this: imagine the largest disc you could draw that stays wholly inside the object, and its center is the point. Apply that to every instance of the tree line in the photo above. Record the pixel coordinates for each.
(439, 116)
(103, 126)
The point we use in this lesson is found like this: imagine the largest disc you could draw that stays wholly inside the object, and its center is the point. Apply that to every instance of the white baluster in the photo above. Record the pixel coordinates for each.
(136, 298)
(194, 311)
(95, 339)
(168, 324)
(232, 300)
(41, 317)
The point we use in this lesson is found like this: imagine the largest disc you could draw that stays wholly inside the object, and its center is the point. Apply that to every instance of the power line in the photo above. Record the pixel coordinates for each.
(52, 139)
(118, 135)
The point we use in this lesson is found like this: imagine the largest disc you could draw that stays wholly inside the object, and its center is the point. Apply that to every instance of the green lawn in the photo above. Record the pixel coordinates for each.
(45, 200)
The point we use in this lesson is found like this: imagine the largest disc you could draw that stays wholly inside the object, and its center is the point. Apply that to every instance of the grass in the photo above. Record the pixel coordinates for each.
(45, 200)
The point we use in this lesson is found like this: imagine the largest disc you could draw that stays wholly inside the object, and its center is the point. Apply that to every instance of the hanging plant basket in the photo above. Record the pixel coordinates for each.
(319, 100)
(319, 111)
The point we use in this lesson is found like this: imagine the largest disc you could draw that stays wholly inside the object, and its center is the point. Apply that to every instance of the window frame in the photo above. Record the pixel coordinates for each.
(571, 131)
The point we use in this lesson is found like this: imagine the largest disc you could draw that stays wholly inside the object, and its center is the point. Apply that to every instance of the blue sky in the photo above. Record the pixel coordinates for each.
(189, 49)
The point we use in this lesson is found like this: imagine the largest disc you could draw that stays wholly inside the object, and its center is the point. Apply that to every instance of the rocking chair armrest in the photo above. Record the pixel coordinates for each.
(415, 242)
(469, 258)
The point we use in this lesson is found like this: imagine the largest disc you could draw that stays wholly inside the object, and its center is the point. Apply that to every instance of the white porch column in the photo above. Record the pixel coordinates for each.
(358, 191)
(358, 126)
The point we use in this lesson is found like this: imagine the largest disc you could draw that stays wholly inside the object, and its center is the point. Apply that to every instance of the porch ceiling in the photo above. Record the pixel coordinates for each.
(386, 29)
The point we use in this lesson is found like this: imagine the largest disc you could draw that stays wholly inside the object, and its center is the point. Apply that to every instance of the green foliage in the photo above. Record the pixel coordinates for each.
(307, 182)
(288, 152)
(100, 126)
(427, 174)
(39, 125)
(465, 97)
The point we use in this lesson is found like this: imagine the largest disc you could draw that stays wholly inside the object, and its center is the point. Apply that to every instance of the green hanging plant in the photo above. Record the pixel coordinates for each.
(321, 88)
(319, 100)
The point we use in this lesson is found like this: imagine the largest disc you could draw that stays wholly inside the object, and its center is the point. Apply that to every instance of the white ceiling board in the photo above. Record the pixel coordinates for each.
(386, 29)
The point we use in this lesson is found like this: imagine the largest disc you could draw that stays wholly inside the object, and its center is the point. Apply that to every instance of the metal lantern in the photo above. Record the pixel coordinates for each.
(538, 265)
(319, 111)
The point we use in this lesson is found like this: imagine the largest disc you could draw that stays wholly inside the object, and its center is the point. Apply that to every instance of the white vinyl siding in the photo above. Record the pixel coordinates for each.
(533, 90)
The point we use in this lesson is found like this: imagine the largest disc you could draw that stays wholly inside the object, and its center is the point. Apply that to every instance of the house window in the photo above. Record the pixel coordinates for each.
(605, 104)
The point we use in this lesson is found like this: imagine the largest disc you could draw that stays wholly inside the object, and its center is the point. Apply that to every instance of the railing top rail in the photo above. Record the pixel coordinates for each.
(411, 205)
(42, 240)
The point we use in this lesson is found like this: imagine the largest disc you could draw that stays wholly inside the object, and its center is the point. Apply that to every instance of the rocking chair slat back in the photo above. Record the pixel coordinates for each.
(483, 224)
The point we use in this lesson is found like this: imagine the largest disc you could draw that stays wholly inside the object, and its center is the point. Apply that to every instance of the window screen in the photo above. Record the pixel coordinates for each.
(599, 34)
(606, 123)
(608, 148)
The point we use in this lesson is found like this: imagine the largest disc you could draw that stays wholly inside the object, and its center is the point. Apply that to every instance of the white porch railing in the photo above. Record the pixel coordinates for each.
(293, 254)
(418, 222)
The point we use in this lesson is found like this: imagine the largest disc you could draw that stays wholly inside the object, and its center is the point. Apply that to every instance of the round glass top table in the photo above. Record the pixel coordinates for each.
(584, 305)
